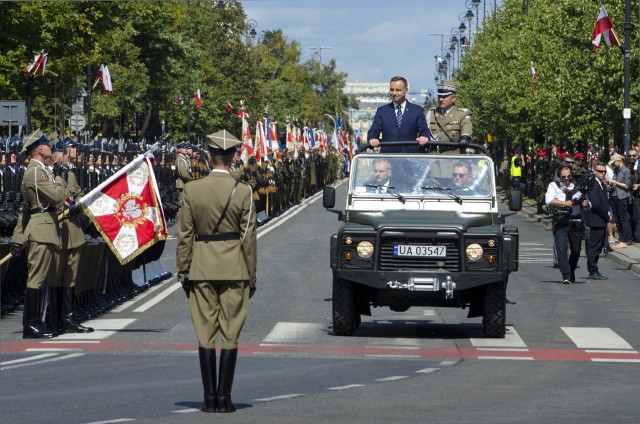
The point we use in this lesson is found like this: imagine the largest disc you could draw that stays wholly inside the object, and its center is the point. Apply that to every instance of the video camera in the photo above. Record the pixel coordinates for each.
(584, 183)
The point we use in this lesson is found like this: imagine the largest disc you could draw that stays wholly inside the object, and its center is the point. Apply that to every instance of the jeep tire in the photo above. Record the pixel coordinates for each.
(495, 310)
(345, 316)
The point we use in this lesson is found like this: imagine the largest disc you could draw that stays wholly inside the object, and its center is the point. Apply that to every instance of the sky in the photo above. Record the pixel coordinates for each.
(371, 40)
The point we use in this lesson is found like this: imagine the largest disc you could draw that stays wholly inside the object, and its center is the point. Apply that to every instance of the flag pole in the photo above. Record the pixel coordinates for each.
(626, 113)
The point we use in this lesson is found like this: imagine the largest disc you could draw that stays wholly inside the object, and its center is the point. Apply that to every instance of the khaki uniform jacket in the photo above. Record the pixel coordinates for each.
(228, 260)
(41, 191)
(71, 234)
(183, 166)
(456, 121)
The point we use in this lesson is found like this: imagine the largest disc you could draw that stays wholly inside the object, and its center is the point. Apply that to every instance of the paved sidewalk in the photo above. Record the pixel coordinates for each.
(628, 258)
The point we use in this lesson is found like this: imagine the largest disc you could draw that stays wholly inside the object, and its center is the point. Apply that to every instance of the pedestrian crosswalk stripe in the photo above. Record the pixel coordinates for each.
(104, 327)
(511, 339)
(595, 338)
(294, 332)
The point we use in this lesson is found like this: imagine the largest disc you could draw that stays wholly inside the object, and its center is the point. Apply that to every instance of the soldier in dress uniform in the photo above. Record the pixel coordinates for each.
(38, 229)
(183, 167)
(216, 259)
(447, 121)
(63, 273)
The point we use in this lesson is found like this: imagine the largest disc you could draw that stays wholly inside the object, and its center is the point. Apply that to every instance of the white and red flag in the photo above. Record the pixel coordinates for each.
(38, 65)
(534, 75)
(105, 77)
(604, 28)
(198, 99)
(126, 210)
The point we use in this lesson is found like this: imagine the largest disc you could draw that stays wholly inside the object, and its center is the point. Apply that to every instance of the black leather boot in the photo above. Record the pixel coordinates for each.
(208, 372)
(225, 382)
(69, 324)
(32, 327)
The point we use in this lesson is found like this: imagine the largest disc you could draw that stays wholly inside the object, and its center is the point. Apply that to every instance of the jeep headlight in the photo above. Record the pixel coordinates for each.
(365, 249)
(474, 252)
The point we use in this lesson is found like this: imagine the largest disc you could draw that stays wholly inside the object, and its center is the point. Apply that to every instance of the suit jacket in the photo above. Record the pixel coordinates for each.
(414, 124)
(228, 260)
(598, 215)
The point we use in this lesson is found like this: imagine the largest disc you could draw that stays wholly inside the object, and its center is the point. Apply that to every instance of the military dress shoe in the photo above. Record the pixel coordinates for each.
(566, 281)
(598, 276)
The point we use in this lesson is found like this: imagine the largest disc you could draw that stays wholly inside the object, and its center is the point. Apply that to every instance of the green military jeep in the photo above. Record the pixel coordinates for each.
(422, 230)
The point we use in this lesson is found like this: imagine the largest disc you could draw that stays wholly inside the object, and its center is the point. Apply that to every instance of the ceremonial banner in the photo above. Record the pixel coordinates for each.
(127, 211)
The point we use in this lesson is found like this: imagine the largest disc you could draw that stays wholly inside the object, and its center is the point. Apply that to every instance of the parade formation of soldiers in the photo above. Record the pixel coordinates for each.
(65, 296)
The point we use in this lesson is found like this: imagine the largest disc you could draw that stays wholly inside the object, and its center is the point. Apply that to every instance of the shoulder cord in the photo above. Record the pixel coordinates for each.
(224, 211)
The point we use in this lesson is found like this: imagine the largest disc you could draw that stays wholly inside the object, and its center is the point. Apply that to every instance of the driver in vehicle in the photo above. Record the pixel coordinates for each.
(461, 177)
(381, 173)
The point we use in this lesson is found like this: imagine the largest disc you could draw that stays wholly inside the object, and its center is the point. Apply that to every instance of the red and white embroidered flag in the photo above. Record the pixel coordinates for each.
(604, 27)
(198, 99)
(38, 65)
(126, 210)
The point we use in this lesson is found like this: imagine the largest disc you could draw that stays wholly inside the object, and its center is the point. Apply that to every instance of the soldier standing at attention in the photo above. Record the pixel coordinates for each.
(63, 273)
(216, 259)
(183, 167)
(38, 229)
(447, 121)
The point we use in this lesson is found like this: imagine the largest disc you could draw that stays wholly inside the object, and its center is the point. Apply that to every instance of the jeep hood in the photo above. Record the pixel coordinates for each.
(431, 219)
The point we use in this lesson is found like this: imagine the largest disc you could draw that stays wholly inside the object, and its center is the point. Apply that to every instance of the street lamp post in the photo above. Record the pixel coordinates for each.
(319, 50)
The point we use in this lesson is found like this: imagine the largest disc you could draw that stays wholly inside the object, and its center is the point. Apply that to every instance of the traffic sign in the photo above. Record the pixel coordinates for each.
(77, 122)
(358, 132)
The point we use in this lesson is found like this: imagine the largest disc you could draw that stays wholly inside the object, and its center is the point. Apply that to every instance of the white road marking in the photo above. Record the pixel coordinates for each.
(609, 351)
(348, 386)
(448, 363)
(596, 338)
(392, 378)
(119, 420)
(38, 362)
(281, 397)
(428, 370)
(104, 327)
(184, 411)
(139, 297)
(70, 341)
(512, 358)
(392, 356)
(31, 358)
(285, 217)
(635, 361)
(511, 339)
(294, 332)
(160, 297)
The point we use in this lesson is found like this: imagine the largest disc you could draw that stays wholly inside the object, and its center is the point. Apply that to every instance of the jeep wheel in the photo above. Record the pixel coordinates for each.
(495, 310)
(344, 308)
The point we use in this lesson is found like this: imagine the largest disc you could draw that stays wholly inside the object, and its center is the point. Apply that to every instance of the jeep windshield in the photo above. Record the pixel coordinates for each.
(403, 178)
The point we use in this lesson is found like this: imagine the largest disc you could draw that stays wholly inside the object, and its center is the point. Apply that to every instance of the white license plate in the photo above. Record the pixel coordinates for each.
(416, 250)
(419, 250)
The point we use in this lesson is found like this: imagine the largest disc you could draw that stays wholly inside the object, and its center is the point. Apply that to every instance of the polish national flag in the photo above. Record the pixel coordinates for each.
(198, 99)
(604, 27)
(534, 75)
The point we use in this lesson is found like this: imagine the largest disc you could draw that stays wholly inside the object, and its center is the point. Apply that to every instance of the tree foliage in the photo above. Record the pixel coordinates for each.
(157, 53)
(578, 96)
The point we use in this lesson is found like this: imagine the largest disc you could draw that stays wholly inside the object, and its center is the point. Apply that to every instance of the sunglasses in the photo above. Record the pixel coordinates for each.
(601, 170)
(456, 175)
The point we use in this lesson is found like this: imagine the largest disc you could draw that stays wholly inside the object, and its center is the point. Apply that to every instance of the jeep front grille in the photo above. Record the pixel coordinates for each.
(388, 262)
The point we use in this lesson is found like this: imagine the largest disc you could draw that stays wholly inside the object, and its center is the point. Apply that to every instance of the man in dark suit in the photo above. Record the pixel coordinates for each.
(399, 120)
(596, 219)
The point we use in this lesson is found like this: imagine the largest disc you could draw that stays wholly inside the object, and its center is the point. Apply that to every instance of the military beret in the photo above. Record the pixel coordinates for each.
(223, 143)
(578, 156)
(563, 155)
(542, 153)
(446, 88)
(33, 140)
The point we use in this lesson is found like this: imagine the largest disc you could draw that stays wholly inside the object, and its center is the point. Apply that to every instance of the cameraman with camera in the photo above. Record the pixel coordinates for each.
(564, 200)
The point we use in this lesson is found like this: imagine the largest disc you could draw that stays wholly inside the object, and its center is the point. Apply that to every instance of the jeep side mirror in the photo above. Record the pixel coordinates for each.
(515, 200)
(329, 197)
